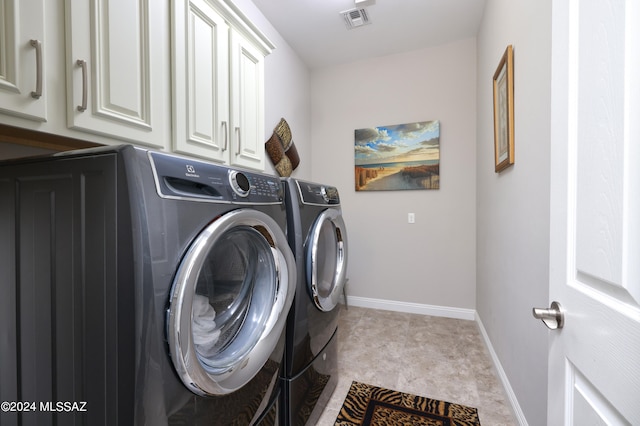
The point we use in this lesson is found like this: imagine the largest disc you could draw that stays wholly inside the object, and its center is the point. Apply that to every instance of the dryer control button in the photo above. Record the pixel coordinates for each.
(323, 192)
(329, 194)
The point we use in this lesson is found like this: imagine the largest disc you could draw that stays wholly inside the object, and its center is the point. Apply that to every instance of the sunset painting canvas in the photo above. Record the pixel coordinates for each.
(398, 157)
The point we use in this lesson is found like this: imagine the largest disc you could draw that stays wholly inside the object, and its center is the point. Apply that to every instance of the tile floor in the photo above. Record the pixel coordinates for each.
(435, 357)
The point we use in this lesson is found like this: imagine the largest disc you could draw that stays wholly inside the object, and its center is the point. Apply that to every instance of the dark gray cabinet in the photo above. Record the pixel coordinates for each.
(66, 297)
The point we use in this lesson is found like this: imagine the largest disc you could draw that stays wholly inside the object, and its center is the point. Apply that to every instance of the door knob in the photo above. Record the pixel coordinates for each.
(552, 317)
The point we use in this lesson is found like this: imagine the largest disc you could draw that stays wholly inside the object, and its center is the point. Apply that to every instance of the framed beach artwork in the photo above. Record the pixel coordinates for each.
(398, 157)
(503, 131)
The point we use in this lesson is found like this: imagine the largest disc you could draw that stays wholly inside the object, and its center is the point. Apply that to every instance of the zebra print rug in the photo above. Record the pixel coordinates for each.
(370, 405)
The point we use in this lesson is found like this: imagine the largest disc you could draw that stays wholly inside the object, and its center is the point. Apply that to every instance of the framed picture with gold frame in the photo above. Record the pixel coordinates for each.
(503, 130)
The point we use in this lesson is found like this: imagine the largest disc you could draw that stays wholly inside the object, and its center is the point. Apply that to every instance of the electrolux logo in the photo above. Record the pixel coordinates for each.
(191, 171)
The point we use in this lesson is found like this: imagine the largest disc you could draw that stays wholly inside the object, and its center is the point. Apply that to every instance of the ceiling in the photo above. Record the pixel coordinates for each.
(316, 30)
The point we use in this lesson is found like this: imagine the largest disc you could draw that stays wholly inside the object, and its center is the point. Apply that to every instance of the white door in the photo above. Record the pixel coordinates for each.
(22, 55)
(118, 69)
(247, 103)
(594, 361)
(200, 80)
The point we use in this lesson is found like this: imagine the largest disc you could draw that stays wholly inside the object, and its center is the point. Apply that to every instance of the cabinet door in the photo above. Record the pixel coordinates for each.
(247, 103)
(118, 69)
(200, 80)
(65, 291)
(22, 54)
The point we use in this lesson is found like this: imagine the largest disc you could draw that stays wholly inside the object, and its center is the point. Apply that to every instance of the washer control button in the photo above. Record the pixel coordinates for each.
(240, 183)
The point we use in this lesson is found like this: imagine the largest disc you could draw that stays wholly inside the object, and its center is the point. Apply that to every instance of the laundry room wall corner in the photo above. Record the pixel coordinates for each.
(287, 90)
(513, 206)
(432, 261)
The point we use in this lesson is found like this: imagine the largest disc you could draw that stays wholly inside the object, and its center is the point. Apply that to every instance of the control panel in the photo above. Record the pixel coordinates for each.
(317, 194)
(185, 178)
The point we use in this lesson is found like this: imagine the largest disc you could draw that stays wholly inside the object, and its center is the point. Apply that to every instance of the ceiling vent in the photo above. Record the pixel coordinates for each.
(354, 18)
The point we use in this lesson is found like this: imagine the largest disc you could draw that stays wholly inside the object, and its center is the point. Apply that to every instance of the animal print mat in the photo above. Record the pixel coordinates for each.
(374, 406)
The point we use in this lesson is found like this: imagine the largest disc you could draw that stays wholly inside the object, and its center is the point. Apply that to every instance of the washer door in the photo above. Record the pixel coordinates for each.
(229, 302)
(327, 259)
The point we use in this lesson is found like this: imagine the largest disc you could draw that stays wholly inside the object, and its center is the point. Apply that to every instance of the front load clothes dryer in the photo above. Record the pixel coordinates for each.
(317, 235)
(152, 288)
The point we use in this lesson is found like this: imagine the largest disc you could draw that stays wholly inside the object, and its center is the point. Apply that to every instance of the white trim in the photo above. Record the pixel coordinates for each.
(413, 308)
(449, 312)
(515, 406)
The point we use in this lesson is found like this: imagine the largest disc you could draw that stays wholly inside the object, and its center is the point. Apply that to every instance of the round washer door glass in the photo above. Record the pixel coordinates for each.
(327, 259)
(227, 296)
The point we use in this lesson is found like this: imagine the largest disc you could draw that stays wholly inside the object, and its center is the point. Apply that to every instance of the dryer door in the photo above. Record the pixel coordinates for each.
(326, 261)
(229, 302)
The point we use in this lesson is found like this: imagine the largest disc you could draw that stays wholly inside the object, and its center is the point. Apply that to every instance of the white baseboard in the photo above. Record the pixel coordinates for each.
(448, 312)
(412, 308)
(513, 401)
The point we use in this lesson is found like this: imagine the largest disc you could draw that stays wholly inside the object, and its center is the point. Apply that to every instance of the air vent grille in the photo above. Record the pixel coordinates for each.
(354, 18)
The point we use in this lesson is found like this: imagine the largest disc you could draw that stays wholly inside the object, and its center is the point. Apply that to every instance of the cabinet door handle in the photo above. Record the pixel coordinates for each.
(38, 92)
(239, 141)
(83, 64)
(226, 136)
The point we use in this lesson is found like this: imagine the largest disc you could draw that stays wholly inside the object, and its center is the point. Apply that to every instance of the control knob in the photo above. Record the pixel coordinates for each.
(323, 192)
(239, 183)
(329, 194)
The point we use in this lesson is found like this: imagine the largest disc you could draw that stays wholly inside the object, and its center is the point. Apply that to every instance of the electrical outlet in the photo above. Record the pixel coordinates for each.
(411, 218)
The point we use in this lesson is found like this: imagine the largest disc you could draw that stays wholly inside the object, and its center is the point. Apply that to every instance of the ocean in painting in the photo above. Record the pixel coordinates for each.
(398, 157)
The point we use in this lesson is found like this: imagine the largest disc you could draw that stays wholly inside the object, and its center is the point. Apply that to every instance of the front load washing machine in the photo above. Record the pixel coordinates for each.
(149, 289)
(317, 235)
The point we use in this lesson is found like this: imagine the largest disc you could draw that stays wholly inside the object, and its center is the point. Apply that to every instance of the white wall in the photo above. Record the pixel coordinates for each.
(513, 207)
(430, 262)
(287, 91)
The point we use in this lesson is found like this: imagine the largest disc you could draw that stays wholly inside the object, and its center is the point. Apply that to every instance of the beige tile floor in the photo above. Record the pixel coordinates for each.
(435, 357)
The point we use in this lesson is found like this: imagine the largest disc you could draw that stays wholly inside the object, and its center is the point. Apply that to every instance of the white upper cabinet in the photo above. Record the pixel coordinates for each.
(200, 81)
(118, 69)
(176, 75)
(218, 83)
(22, 59)
(247, 103)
